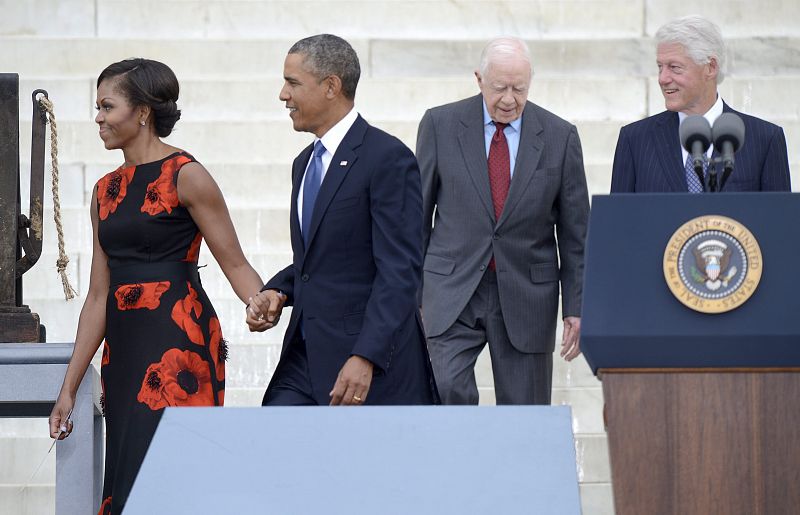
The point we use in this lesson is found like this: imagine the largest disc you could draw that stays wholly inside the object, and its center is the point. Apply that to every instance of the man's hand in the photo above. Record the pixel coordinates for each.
(264, 310)
(353, 383)
(571, 339)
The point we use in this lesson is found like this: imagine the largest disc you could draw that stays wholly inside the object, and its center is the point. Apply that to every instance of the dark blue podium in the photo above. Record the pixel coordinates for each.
(365, 460)
(691, 320)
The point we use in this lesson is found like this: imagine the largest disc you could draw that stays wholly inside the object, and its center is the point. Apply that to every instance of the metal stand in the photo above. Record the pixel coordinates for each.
(30, 379)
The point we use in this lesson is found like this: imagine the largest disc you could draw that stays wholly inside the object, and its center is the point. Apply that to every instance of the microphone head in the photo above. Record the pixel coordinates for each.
(695, 128)
(728, 128)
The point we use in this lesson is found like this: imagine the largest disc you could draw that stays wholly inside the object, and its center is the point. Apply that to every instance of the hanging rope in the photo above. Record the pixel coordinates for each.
(63, 260)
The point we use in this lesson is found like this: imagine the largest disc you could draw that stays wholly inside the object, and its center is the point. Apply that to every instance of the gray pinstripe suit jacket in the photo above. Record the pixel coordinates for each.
(538, 241)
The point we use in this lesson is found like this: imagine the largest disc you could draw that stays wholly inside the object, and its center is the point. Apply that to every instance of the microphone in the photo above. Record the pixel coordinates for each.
(695, 135)
(728, 136)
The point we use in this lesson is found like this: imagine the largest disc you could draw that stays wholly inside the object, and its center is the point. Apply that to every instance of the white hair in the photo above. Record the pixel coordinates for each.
(506, 46)
(701, 38)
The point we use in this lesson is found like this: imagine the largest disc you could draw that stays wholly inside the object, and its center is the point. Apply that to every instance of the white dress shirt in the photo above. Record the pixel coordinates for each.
(331, 141)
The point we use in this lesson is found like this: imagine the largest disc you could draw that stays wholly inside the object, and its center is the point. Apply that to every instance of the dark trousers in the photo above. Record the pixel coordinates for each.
(291, 385)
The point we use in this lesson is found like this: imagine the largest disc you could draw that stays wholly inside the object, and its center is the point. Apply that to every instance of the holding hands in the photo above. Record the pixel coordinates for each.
(264, 310)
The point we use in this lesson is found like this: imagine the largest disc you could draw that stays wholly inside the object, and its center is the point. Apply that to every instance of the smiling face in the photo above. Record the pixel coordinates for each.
(119, 122)
(687, 87)
(505, 86)
(307, 97)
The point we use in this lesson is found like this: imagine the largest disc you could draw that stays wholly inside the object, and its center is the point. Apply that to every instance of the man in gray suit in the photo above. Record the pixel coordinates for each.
(506, 182)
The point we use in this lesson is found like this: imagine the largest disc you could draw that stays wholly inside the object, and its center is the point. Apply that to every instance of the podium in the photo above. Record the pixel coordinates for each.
(701, 377)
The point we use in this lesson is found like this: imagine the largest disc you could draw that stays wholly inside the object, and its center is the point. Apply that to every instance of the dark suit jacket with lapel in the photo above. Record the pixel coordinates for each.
(355, 285)
(547, 197)
(649, 159)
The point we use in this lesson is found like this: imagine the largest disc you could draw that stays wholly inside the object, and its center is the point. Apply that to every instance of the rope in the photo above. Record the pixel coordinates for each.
(63, 260)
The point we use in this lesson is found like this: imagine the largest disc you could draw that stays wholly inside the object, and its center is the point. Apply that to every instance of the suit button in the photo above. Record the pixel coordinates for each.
(483, 267)
(304, 278)
(496, 236)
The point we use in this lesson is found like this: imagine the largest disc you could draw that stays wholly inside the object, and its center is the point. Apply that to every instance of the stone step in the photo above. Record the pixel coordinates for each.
(582, 100)
(255, 19)
(767, 98)
(257, 100)
(591, 451)
(284, 19)
(34, 500)
(577, 57)
(736, 20)
(22, 454)
(587, 407)
(274, 142)
(597, 499)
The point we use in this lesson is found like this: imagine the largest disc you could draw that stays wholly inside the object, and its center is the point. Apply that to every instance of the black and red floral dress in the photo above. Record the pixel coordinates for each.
(163, 345)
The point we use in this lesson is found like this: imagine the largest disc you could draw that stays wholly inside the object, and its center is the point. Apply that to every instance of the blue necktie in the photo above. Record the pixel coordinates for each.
(311, 187)
(691, 177)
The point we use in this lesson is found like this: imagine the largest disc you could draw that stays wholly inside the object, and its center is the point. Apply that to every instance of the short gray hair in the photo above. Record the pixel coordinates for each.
(506, 46)
(325, 55)
(701, 38)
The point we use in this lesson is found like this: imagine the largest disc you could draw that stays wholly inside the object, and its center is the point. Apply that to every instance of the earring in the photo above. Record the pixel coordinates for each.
(141, 122)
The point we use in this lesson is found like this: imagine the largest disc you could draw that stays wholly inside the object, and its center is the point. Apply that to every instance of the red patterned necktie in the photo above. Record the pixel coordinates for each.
(499, 172)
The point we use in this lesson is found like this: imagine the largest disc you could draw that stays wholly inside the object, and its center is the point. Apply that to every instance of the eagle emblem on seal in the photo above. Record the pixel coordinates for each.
(712, 264)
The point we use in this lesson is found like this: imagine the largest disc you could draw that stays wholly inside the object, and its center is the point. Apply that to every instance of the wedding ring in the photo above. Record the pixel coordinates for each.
(356, 398)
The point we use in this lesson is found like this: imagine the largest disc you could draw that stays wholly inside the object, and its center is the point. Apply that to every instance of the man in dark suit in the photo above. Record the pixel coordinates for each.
(355, 334)
(649, 156)
(506, 182)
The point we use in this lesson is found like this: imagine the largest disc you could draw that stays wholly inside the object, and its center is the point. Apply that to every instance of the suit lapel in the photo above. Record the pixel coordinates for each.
(336, 173)
(528, 155)
(298, 169)
(668, 149)
(473, 150)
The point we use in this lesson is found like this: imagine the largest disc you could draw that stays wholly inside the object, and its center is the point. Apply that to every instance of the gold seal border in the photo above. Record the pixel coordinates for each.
(737, 231)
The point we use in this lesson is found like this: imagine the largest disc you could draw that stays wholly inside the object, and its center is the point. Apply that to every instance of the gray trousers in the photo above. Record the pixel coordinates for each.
(519, 377)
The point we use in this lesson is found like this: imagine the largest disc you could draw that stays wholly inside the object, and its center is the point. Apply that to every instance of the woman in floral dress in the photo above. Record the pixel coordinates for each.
(162, 340)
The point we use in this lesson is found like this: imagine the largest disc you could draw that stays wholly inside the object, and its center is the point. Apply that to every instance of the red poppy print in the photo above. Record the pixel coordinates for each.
(161, 194)
(106, 351)
(221, 395)
(194, 249)
(140, 295)
(182, 315)
(112, 188)
(105, 508)
(218, 347)
(181, 378)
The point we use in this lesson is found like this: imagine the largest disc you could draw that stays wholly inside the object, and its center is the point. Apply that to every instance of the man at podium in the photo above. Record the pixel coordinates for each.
(690, 55)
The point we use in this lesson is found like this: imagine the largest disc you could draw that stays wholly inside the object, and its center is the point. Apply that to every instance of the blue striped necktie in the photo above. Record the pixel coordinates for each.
(311, 187)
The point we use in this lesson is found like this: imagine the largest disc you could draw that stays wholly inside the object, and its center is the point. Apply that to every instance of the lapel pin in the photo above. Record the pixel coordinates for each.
(342, 163)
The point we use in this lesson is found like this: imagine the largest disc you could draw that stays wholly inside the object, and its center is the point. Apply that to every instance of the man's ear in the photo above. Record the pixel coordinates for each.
(333, 86)
(478, 76)
(713, 68)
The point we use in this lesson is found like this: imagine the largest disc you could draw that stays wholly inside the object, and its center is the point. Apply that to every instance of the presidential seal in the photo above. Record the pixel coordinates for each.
(712, 264)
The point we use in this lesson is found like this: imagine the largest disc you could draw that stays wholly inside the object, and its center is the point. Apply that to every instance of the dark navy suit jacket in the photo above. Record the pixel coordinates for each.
(355, 285)
(649, 159)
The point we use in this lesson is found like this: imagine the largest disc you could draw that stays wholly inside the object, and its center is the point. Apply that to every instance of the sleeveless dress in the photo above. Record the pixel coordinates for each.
(163, 345)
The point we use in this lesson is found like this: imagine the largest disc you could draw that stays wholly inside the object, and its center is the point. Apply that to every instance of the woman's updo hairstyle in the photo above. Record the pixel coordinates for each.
(150, 83)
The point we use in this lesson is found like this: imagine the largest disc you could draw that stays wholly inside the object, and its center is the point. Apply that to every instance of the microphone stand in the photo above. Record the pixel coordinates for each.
(712, 177)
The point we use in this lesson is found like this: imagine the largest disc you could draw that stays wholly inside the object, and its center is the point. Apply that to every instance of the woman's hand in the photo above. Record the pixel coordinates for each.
(60, 423)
